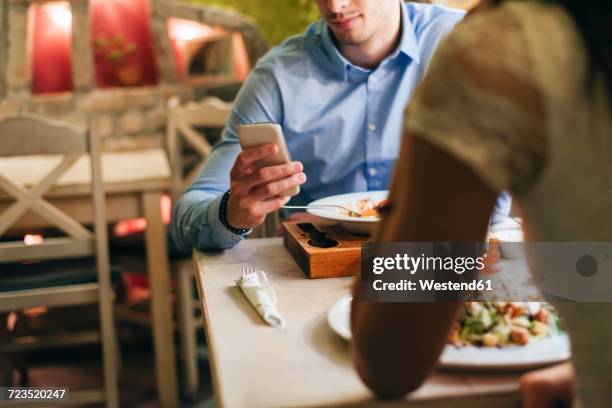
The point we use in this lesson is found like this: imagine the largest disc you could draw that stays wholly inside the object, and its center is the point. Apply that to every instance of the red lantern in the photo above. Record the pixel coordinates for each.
(51, 54)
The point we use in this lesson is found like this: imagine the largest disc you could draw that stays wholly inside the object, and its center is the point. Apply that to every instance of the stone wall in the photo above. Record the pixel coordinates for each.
(126, 118)
(130, 118)
(3, 42)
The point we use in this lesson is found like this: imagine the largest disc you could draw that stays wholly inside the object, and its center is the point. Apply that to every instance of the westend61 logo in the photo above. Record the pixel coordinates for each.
(443, 271)
(422, 271)
(412, 264)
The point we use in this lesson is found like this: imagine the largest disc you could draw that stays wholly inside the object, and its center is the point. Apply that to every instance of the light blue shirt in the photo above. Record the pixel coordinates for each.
(343, 122)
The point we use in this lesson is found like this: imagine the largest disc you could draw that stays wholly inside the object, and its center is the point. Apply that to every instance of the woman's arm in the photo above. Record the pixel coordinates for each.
(433, 198)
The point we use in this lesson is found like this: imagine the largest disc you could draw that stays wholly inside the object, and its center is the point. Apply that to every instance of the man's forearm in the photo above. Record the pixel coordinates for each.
(196, 223)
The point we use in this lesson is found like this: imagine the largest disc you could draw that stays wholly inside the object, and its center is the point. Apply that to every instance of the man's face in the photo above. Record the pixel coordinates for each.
(355, 21)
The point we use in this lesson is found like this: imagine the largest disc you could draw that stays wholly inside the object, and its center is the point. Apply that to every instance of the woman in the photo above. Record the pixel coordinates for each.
(517, 98)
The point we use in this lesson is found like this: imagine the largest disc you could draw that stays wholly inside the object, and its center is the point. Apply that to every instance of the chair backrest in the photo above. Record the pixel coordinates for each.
(210, 112)
(29, 135)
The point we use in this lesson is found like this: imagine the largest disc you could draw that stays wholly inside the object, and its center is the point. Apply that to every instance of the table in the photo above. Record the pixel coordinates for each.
(134, 183)
(305, 364)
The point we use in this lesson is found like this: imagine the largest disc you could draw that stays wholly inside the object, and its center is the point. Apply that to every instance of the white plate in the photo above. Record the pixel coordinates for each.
(353, 224)
(537, 354)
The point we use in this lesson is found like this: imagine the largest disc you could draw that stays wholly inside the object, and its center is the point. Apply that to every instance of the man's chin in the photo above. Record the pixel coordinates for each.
(348, 37)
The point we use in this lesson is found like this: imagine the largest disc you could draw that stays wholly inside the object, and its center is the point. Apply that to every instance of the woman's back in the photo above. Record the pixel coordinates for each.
(508, 95)
(571, 198)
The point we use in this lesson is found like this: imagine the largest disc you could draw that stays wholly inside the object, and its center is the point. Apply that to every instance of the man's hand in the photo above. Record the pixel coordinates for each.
(255, 189)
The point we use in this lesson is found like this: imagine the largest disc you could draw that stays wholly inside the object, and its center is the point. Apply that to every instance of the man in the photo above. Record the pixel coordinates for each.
(338, 91)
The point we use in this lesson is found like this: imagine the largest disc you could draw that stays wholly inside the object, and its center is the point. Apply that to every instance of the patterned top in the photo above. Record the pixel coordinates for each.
(507, 94)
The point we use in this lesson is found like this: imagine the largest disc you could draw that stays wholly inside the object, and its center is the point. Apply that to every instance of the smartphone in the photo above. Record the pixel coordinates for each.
(257, 134)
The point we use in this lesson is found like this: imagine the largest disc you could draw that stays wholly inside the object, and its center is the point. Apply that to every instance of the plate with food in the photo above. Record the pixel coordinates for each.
(355, 212)
(490, 335)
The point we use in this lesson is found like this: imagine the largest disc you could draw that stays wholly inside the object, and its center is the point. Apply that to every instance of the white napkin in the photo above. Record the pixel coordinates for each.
(261, 295)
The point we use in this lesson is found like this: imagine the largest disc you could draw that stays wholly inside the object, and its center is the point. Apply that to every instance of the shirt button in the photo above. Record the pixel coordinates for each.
(372, 171)
(371, 127)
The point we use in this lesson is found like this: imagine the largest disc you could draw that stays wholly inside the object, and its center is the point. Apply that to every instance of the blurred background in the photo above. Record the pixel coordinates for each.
(289, 17)
(276, 19)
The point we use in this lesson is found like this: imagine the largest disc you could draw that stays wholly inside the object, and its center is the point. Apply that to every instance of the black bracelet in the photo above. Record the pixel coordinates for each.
(223, 217)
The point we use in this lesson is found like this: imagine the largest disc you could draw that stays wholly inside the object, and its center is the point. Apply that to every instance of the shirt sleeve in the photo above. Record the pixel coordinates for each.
(195, 221)
(480, 103)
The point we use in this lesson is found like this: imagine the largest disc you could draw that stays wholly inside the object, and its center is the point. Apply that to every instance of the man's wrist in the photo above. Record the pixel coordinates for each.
(243, 232)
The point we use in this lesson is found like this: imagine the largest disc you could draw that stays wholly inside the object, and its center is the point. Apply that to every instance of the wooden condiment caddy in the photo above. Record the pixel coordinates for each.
(341, 259)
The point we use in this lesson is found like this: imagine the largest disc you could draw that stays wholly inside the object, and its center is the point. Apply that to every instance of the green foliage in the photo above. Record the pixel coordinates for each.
(276, 19)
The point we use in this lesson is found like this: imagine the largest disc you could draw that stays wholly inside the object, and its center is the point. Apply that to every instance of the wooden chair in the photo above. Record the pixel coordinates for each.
(212, 113)
(182, 120)
(28, 135)
(209, 113)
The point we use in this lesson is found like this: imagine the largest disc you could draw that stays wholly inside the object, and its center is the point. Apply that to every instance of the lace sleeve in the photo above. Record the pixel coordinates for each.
(480, 103)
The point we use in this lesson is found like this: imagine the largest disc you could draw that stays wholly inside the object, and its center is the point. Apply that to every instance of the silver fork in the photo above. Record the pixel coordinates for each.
(305, 207)
(248, 269)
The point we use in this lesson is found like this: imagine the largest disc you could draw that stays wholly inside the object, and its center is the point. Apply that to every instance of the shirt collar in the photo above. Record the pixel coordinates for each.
(408, 42)
(407, 46)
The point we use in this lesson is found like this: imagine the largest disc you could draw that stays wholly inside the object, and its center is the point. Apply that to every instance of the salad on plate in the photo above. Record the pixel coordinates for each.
(500, 324)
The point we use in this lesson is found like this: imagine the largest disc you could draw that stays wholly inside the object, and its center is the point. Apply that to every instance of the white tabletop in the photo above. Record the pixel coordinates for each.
(117, 167)
(305, 364)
